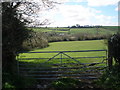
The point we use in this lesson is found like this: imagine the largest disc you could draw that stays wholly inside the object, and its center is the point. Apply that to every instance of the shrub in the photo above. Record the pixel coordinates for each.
(56, 37)
(8, 85)
(110, 79)
(66, 84)
(37, 40)
(15, 81)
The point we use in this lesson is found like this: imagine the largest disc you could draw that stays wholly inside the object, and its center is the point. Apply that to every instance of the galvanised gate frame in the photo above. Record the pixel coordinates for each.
(48, 71)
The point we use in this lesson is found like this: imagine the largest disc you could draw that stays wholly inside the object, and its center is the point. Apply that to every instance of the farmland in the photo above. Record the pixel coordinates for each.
(69, 46)
(45, 35)
(101, 30)
(65, 43)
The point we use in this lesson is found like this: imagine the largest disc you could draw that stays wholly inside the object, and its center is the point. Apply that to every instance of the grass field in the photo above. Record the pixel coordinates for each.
(101, 30)
(92, 31)
(69, 46)
(75, 45)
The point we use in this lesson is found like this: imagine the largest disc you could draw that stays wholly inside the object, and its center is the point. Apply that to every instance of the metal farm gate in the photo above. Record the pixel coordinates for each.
(62, 64)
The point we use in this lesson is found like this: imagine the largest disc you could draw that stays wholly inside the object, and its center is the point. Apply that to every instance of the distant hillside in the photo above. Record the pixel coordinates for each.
(101, 30)
(111, 27)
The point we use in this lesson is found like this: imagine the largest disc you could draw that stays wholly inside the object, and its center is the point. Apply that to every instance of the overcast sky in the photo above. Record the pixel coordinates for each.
(83, 12)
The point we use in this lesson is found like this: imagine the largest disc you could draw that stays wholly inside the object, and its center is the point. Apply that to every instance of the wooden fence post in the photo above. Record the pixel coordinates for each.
(110, 56)
(110, 61)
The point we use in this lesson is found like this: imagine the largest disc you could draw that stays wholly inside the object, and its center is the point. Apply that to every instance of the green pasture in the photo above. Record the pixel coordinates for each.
(49, 30)
(68, 46)
(112, 27)
(102, 30)
(41, 30)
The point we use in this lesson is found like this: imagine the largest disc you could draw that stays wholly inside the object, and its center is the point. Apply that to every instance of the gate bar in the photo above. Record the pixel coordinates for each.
(65, 51)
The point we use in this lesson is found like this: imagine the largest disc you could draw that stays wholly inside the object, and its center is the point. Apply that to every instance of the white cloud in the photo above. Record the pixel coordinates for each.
(93, 2)
(74, 14)
(117, 8)
(106, 20)
(67, 15)
(64, 1)
(59, 1)
(90, 2)
(78, 14)
(102, 2)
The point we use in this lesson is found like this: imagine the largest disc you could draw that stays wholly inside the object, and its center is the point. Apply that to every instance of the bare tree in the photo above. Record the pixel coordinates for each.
(29, 11)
